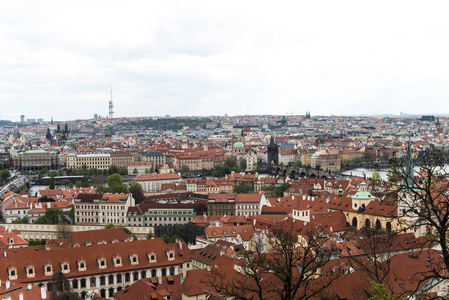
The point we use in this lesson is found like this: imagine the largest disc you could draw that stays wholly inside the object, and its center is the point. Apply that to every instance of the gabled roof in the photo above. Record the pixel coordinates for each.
(37, 256)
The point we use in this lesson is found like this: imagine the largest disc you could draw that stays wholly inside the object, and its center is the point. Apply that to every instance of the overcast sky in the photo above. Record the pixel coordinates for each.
(60, 58)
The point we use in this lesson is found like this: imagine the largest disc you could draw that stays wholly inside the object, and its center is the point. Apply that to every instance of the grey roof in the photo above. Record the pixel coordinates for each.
(154, 153)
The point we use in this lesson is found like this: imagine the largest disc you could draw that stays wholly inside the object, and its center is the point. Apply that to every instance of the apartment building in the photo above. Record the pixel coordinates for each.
(153, 182)
(102, 209)
(154, 214)
(141, 167)
(194, 163)
(100, 161)
(122, 159)
(155, 157)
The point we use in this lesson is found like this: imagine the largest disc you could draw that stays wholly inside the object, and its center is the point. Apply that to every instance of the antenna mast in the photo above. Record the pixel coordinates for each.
(111, 106)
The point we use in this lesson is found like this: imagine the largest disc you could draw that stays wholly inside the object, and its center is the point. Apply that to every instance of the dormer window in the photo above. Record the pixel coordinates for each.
(81, 265)
(29, 270)
(171, 255)
(152, 257)
(133, 259)
(65, 268)
(117, 260)
(101, 263)
(12, 273)
(48, 269)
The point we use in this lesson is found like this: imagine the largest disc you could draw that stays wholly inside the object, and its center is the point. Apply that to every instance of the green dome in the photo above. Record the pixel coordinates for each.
(238, 145)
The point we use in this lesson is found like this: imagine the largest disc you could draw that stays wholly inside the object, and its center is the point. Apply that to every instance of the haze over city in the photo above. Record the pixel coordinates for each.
(60, 59)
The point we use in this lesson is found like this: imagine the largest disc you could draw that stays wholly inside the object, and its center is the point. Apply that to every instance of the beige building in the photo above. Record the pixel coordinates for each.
(91, 161)
(349, 155)
(194, 163)
(155, 157)
(153, 182)
(34, 160)
(141, 167)
(122, 159)
(329, 162)
(102, 208)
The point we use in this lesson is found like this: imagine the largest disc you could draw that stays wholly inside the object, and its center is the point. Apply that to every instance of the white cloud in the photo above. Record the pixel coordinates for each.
(209, 57)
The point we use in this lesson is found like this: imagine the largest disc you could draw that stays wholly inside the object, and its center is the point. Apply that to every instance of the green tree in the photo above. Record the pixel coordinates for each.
(243, 164)
(24, 220)
(43, 171)
(152, 170)
(72, 215)
(242, 188)
(135, 172)
(171, 239)
(136, 190)
(51, 173)
(52, 184)
(51, 216)
(282, 188)
(185, 168)
(115, 183)
(147, 171)
(5, 175)
(380, 292)
(81, 184)
(298, 164)
(150, 235)
(376, 177)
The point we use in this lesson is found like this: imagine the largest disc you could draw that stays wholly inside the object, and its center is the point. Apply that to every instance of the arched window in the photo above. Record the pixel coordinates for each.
(378, 225)
(367, 223)
(354, 222)
(81, 265)
(388, 225)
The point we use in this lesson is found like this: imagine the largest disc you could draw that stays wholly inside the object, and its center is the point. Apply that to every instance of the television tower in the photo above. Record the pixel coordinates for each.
(111, 106)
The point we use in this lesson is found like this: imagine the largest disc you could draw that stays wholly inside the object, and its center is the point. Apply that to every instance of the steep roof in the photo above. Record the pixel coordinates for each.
(38, 256)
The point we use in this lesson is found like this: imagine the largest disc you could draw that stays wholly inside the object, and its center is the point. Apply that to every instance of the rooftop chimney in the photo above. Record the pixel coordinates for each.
(7, 284)
(44, 292)
(21, 296)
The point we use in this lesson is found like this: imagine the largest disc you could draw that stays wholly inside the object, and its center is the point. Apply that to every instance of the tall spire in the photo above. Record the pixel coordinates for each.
(111, 106)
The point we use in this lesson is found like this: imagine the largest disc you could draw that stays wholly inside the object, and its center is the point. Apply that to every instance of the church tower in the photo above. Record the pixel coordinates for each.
(273, 153)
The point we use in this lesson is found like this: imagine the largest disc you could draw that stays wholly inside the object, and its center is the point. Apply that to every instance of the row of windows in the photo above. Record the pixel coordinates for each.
(164, 219)
(115, 207)
(92, 220)
(82, 266)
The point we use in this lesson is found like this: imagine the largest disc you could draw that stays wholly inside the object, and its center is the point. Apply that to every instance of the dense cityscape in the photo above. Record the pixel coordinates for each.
(225, 207)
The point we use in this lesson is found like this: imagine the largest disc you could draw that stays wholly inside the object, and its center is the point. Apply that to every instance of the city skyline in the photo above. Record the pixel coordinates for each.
(60, 59)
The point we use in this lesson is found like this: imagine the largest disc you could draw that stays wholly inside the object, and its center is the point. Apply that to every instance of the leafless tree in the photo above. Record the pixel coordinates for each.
(61, 288)
(422, 197)
(63, 230)
(290, 270)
